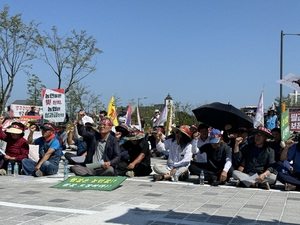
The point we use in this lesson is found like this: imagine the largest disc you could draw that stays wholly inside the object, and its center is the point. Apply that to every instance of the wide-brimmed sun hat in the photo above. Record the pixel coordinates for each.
(123, 128)
(183, 129)
(263, 130)
(94, 126)
(134, 134)
(16, 128)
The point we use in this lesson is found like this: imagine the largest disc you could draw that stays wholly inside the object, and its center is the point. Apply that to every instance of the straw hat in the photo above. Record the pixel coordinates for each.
(183, 129)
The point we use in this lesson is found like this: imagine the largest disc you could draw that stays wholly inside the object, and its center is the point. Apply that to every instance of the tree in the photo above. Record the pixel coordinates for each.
(17, 48)
(285, 99)
(34, 90)
(80, 97)
(184, 114)
(68, 57)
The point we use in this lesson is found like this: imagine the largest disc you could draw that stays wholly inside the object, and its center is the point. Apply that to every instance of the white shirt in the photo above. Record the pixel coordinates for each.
(177, 157)
(196, 145)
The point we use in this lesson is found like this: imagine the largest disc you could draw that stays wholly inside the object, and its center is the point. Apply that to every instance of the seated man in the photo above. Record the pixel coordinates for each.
(218, 160)
(200, 138)
(255, 159)
(49, 152)
(152, 136)
(139, 156)
(290, 176)
(102, 147)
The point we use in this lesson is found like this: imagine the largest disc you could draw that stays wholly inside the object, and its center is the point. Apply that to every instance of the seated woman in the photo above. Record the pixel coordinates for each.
(17, 147)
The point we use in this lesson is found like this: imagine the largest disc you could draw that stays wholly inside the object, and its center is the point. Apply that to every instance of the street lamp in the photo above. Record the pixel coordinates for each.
(139, 100)
(281, 54)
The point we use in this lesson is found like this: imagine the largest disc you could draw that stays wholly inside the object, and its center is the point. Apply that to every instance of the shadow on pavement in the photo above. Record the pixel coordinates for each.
(138, 216)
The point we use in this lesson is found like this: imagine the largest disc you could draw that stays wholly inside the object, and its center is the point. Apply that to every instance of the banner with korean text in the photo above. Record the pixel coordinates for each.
(285, 125)
(17, 110)
(54, 105)
(91, 183)
(294, 119)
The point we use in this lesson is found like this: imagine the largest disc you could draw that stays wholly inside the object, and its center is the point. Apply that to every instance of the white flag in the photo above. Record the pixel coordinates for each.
(139, 118)
(162, 117)
(259, 115)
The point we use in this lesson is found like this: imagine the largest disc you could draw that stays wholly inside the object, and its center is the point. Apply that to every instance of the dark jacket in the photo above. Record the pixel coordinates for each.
(111, 151)
(253, 162)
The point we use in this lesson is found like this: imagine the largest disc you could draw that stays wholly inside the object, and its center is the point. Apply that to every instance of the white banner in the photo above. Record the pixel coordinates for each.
(17, 110)
(54, 105)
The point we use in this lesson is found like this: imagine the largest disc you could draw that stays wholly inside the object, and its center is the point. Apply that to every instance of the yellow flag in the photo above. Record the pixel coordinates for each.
(111, 111)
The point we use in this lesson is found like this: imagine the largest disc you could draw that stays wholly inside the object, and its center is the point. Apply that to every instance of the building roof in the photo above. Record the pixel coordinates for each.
(20, 102)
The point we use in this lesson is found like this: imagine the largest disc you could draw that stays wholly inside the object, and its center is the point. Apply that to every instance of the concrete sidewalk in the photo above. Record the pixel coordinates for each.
(139, 200)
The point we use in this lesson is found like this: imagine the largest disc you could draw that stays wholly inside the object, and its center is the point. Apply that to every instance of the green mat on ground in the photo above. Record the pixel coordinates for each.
(91, 183)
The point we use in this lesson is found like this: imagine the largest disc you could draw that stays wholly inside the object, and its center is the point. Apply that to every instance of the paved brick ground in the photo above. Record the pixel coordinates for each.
(138, 201)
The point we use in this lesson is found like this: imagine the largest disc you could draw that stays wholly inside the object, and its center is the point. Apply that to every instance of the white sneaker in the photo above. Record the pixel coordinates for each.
(130, 173)
(2, 172)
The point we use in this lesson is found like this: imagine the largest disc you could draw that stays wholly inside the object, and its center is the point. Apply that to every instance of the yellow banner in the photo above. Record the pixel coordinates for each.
(112, 112)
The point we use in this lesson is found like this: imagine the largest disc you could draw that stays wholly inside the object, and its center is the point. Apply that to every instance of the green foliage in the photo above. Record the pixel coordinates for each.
(34, 90)
(17, 48)
(69, 57)
(80, 97)
(183, 114)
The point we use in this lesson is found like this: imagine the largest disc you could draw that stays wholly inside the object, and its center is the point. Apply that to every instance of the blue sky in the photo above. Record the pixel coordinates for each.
(198, 51)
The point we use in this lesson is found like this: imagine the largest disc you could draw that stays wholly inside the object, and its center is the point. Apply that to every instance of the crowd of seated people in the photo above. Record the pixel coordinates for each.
(249, 157)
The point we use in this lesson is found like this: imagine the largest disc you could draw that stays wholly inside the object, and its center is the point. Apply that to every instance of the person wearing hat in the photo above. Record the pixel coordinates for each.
(121, 131)
(17, 147)
(271, 119)
(155, 117)
(218, 160)
(103, 148)
(122, 116)
(180, 154)
(138, 163)
(49, 152)
(256, 159)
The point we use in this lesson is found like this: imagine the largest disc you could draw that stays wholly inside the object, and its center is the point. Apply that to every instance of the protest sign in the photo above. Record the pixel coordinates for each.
(54, 105)
(91, 183)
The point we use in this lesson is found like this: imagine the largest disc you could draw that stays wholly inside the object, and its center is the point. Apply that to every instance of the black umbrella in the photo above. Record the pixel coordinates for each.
(217, 115)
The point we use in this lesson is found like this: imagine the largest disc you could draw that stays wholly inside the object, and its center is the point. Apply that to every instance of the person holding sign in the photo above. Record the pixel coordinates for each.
(17, 147)
(49, 152)
(103, 151)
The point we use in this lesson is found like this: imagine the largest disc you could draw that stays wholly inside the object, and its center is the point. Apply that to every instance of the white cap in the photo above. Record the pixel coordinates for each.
(156, 110)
